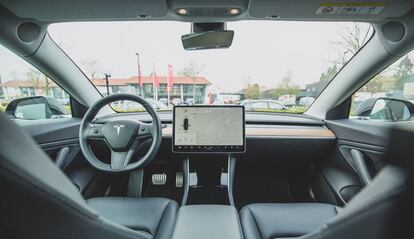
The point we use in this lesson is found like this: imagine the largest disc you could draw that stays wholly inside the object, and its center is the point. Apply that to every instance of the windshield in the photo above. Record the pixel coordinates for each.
(270, 67)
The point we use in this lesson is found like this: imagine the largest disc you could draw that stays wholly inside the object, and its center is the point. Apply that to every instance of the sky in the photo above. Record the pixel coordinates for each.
(262, 51)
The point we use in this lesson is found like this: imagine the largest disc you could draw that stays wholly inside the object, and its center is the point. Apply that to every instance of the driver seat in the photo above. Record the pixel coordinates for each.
(39, 201)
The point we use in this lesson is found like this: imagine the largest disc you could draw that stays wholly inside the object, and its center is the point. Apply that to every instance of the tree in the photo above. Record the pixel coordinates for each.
(329, 74)
(352, 38)
(286, 86)
(375, 84)
(47, 84)
(252, 91)
(34, 76)
(193, 71)
(92, 68)
(402, 71)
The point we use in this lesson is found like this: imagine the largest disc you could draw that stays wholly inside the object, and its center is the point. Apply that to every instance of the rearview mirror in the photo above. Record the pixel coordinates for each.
(30, 108)
(391, 109)
(208, 40)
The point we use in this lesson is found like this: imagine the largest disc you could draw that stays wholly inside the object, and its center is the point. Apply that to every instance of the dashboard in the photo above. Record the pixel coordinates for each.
(257, 125)
(269, 136)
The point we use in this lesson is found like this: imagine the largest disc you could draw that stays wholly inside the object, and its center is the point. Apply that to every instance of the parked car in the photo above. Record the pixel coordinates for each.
(163, 100)
(258, 105)
(306, 101)
(176, 101)
(189, 101)
(133, 106)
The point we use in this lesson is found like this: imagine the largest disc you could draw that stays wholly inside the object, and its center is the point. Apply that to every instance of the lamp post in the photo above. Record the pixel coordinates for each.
(139, 74)
(107, 82)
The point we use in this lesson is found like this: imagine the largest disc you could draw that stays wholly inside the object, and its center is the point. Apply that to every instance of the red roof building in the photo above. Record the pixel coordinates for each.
(178, 80)
(183, 87)
(182, 90)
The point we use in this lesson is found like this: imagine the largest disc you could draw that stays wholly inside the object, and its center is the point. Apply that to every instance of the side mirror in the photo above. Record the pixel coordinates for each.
(29, 108)
(390, 109)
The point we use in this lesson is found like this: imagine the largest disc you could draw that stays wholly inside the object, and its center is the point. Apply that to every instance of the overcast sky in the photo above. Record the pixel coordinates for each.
(262, 51)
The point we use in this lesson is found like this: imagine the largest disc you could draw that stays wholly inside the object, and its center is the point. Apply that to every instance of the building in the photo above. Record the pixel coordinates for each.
(408, 90)
(313, 89)
(25, 88)
(230, 98)
(183, 87)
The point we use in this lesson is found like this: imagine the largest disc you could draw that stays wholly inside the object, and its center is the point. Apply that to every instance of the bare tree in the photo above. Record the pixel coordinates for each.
(47, 85)
(92, 68)
(193, 71)
(286, 86)
(287, 80)
(353, 37)
(34, 76)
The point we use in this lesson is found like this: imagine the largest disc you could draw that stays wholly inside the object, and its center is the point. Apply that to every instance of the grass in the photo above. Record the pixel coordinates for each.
(67, 109)
(294, 110)
(3, 105)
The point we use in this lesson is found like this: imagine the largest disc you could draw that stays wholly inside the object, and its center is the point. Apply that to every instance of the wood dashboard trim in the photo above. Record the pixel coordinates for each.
(300, 132)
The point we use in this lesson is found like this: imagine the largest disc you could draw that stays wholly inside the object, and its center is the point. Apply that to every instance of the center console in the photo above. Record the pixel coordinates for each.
(208, 180)
(200, 131)
(207, 222)
(208, 137)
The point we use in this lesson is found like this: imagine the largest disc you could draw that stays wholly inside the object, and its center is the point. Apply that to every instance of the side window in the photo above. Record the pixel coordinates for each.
(389, 96)
(26, 93)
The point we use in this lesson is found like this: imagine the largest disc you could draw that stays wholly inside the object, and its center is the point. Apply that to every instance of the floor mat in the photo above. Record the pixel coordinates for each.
(262, 182)
(254, 188)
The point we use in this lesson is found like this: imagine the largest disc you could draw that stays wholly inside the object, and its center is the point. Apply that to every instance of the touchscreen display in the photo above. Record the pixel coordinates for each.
(208, 129)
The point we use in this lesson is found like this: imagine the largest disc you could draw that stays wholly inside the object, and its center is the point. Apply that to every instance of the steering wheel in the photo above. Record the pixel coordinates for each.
(123, 137)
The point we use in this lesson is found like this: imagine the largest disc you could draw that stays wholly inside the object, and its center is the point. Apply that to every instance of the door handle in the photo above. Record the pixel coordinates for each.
(361, 166)
(61, 157)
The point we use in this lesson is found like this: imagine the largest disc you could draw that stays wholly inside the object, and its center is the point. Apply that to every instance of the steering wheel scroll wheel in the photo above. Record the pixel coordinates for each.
(123, 136)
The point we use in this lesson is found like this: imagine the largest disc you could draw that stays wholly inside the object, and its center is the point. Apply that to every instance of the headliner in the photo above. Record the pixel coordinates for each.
(110, 10)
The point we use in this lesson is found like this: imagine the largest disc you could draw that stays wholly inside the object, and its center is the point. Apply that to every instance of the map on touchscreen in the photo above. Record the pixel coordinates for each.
(208, 128)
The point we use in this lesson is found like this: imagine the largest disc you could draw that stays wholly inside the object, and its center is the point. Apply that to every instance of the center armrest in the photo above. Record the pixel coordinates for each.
(207, 222)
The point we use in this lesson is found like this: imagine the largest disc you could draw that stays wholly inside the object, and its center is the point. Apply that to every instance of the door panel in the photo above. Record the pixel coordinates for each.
(359, 155)
(59, 139)
(368, 132)
(52, 130)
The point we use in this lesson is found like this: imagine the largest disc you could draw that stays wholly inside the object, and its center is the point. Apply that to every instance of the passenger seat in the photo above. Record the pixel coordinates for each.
(284, 220)
(382, 210)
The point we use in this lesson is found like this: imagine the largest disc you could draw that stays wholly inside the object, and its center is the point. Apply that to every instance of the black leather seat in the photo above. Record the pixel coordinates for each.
(153, 216)
(284, 220)
(382, 210)
(38, 201)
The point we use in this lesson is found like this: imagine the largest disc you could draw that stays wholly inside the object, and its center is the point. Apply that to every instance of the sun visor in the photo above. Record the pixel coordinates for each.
(328, 10)
(78, 10)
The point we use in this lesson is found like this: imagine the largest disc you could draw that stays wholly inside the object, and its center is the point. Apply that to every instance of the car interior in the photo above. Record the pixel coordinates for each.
(206, 170)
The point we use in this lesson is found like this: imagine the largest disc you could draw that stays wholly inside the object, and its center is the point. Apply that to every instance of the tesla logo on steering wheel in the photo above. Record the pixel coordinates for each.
(118, 128)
